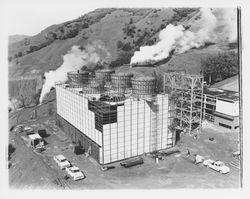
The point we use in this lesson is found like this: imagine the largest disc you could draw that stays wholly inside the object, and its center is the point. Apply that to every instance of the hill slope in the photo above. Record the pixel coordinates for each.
(16, 38)
(121, 31)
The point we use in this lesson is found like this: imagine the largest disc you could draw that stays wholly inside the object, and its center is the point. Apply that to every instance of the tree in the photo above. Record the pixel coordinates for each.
(218, 67)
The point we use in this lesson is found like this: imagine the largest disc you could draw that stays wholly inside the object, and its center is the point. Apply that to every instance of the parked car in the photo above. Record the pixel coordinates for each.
(62, 162)
(75, 173)
(217, 166)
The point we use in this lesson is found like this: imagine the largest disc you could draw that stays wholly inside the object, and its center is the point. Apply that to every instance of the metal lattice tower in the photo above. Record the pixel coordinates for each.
(185, 91)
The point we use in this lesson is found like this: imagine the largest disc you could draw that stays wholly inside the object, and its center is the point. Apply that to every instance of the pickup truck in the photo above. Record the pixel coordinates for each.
(217, 166)
(75, 173)
(62, 162)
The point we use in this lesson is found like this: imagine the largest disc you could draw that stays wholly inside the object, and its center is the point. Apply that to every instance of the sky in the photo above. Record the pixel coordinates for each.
(30, 17)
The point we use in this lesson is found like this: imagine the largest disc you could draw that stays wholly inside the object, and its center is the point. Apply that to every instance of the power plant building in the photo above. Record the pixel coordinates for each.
(115, 116)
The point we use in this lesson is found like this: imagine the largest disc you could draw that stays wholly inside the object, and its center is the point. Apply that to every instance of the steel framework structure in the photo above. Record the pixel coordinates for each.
(185, 95)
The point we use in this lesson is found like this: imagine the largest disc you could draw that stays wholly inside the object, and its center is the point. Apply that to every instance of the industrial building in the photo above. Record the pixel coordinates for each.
(114, 116)
(221, 107)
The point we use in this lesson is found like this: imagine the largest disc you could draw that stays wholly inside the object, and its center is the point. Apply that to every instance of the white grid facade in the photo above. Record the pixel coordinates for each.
(141, 127)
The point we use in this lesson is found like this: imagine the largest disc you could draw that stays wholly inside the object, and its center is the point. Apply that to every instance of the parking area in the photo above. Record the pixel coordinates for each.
(30, 169)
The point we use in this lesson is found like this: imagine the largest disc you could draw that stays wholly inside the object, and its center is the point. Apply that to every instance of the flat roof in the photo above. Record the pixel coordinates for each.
(231, 84)
(222, 94)
(35, 136)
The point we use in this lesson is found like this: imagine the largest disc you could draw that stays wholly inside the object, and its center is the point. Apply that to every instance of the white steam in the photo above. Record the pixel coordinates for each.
(73, 61)
(206, 29)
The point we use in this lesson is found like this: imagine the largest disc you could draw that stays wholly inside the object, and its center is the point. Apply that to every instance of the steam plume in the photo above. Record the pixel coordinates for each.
(73, 61)
(206, 29)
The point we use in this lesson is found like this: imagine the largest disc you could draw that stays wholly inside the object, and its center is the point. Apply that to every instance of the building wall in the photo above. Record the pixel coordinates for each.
(226, 107)
(141, 126)
(78, 137)
(73, 107)
(227, 122)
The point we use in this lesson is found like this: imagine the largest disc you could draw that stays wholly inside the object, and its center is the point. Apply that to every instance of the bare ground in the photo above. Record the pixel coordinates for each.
(32, 170)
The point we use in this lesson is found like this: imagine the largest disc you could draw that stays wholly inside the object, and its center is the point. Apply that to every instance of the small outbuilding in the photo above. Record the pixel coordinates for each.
(35, 140)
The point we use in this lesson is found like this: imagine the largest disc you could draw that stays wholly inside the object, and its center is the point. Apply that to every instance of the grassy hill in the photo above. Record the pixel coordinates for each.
(16, 38)
(121, 31)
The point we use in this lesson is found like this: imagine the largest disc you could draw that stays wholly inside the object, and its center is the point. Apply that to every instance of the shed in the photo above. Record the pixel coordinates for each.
(35, 140)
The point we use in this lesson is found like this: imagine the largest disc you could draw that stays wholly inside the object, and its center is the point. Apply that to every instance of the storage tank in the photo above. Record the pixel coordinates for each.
(121, 82)
(143, 87)
(104, 74)
(77, 78)
(93, 85)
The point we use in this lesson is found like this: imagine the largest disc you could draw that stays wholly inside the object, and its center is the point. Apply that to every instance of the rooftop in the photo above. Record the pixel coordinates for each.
(222, 93)
(35, 136)
(231, 84)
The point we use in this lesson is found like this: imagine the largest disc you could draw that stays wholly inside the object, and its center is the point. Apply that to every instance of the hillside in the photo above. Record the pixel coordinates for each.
(16, 38)
(122, 31)
(117, 31)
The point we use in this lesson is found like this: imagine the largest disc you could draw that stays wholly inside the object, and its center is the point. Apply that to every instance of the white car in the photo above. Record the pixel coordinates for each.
(62, 162)
(217, 166)
(75, 173)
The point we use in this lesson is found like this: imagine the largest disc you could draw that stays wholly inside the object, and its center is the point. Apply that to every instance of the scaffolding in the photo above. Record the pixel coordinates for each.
(186, 100)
